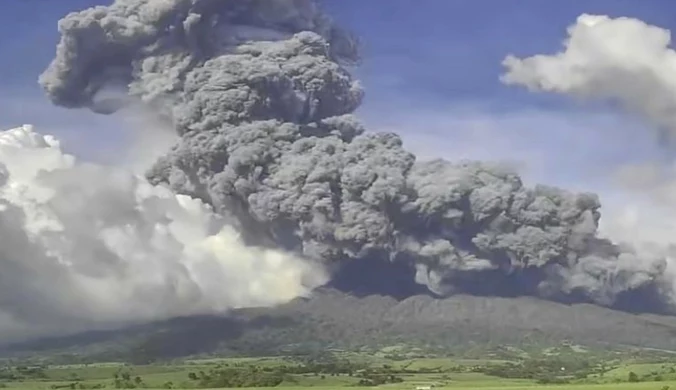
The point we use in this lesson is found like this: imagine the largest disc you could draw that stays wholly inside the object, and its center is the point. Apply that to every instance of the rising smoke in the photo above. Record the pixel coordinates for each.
(629, 63)
(259, 92)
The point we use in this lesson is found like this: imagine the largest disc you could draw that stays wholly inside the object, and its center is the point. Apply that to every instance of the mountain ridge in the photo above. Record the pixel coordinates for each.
(332, 319)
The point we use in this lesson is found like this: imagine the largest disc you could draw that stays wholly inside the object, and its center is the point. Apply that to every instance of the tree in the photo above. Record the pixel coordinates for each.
(633, 377)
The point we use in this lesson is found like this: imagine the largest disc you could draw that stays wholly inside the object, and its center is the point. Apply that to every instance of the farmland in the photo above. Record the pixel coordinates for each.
(562, 368)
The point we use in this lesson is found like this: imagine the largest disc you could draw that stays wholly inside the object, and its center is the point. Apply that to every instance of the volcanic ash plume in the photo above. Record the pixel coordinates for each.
(87, 246)
(626, 61)
(260, 94)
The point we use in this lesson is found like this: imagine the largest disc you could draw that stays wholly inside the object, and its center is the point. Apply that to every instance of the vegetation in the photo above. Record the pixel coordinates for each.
(460, 326)
(565, 367)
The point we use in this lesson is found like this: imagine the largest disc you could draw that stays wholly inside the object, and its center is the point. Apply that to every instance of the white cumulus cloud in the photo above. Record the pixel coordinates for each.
(87, 246)
(622, 60)
(627, 62)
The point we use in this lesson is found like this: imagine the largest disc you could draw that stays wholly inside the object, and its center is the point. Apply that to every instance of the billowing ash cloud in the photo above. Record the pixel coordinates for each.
(626, 61)
(259, 92)
(87, 246)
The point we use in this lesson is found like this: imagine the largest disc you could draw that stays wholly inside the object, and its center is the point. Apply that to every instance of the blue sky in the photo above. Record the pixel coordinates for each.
(430, 69)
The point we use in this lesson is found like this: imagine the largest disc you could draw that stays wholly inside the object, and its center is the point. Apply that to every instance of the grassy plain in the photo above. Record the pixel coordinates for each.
(386, 370)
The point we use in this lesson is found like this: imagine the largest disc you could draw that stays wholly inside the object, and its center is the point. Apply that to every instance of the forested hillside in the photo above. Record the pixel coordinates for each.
(331, 319)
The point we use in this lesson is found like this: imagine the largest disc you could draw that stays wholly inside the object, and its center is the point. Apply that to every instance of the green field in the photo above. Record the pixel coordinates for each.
(391, 369)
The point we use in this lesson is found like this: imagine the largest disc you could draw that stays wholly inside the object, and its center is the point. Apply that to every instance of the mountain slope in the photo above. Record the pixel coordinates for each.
(333, 319)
